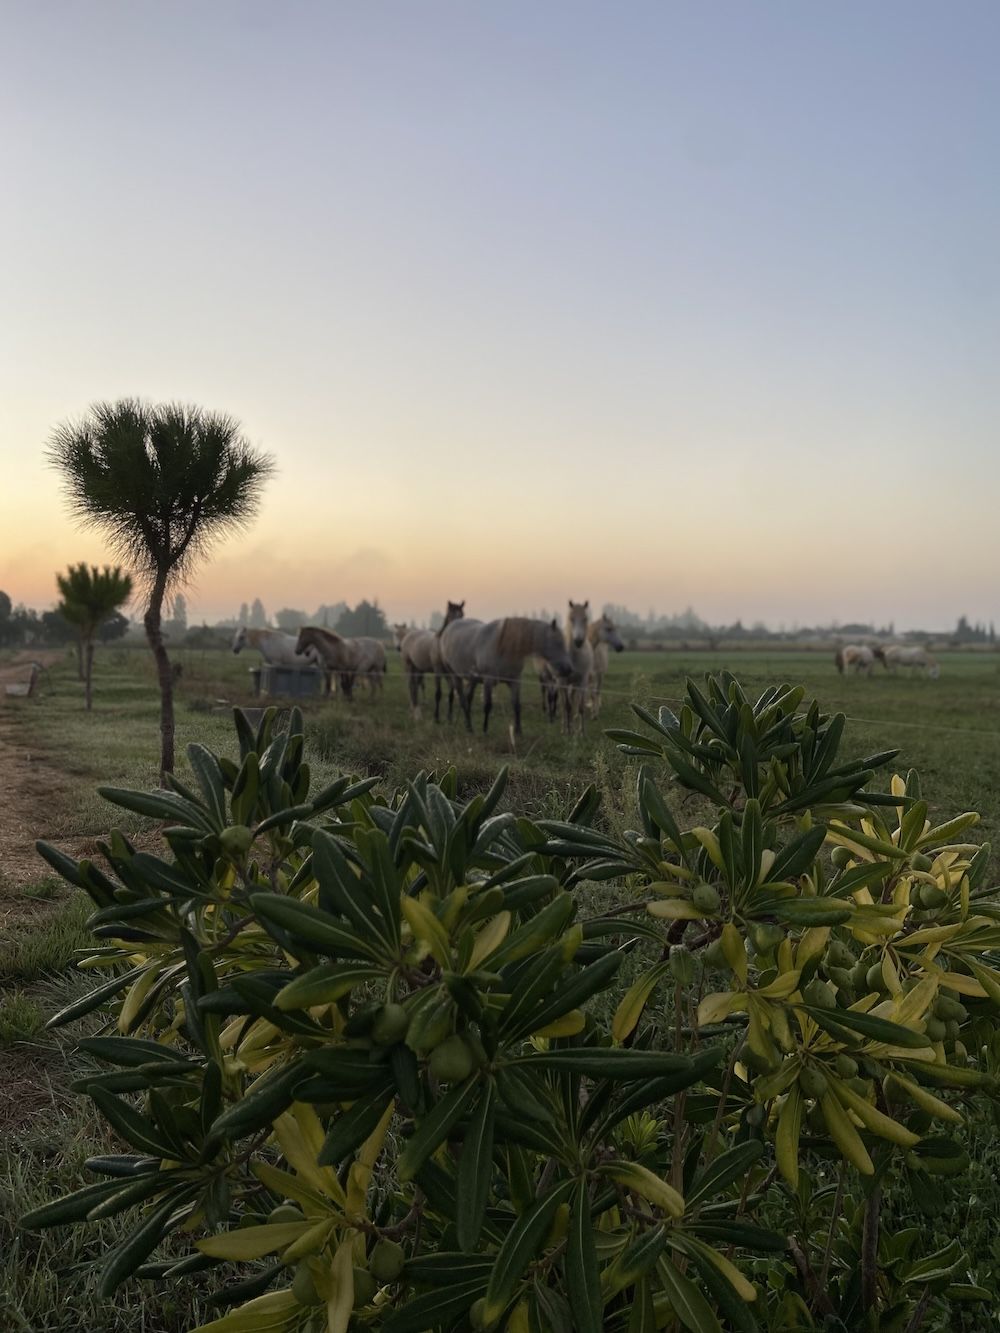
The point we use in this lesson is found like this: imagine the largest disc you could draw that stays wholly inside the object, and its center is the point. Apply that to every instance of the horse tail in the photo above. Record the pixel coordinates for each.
(839, 659)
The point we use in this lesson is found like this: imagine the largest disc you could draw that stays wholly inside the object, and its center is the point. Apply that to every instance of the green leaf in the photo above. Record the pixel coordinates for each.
(324, 984)
(140, 1243)
(475, 1170)
(583, 1282)
(205, 767)
(835, 1021)
(70, 1208)
(605, 1062)
(719, 1174)
(159, 805)
(135, 1128)
(520, 1247)
(686, 1300)
(435, 1308)
(433, 1128)
(570, 995)
(315, 928)
(350, 1128)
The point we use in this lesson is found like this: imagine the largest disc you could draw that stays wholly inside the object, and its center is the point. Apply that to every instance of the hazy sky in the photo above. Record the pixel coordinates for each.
(654, 303)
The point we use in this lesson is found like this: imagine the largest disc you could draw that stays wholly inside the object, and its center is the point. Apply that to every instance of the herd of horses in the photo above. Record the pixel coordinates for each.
(861, 659)
(463, 654)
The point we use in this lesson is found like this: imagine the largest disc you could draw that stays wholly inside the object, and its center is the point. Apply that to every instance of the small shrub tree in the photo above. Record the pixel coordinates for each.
(90, 597)
(164, 482)
(392, 1057)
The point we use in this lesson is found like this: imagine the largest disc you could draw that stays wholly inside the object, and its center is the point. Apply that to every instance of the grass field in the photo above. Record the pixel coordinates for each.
(949, 729)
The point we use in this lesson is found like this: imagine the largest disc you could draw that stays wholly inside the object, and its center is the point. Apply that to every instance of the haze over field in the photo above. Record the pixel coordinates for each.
(658, 304)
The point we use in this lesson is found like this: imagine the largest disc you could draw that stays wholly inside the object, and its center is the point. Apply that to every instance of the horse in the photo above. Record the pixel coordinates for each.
(858, 656)
(575, 689)
(421, 653)
(495, 652)
(371, 661)
(603, 634)
(275, 647)
(344, 658)
(897, 656)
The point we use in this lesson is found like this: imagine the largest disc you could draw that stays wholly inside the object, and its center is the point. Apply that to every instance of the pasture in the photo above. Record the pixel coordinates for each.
(52, 755)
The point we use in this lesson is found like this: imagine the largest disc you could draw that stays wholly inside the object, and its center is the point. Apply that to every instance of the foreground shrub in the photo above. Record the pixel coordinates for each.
(392, 1058)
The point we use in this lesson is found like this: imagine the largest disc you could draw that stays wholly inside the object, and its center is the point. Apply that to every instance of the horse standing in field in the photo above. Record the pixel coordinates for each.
(857, 656)
(495, 652)
(919, 659)
(575, 689)
(275, 647)
(345, 658)
(603, 635)
(421, 653)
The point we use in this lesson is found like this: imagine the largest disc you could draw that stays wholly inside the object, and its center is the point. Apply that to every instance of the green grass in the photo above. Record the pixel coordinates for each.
(21, 1018)
(44, 945)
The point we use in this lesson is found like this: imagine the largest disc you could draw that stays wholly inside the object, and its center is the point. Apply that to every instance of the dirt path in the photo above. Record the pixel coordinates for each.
(32, 793)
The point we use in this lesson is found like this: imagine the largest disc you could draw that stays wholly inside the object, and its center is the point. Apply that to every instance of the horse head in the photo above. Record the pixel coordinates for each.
(305, 643)
(577, 623)
(399, 633)
(609, 634)
(240, 639)
(455, 611)
(554, 649)
(879, 652)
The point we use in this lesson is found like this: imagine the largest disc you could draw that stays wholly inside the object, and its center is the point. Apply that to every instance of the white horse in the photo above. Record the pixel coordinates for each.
(858, 656)
(574, 688)
(276, 648)
(603, 635)
(896, 656)
(421, 653)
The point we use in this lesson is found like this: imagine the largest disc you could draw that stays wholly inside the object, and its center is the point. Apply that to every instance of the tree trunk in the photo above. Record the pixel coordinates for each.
(154, 633)
(88, 674)
(80, 672)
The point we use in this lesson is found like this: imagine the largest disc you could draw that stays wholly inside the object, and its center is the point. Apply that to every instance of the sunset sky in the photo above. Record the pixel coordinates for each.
(652, 303)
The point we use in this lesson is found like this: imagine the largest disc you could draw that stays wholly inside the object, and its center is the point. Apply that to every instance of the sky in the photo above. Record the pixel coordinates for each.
(661, 304)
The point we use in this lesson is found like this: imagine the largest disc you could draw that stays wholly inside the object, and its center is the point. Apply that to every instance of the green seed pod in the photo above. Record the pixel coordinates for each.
(365, 1288)
(859, 976)
(452, 1061)
(706, 898)
(841, 857)
(931, 898)
(935, 1029)
(813, 1082)
(391, 1024)
(920, 862)
(236, 841)
(841, 978)
(682, 964)
(286, 1212)
(874, 979)
(839, 955)
(386, 1260)
(820, 993)
(845, 1066)
(766, 936)
(715, 958)
(304, 1285)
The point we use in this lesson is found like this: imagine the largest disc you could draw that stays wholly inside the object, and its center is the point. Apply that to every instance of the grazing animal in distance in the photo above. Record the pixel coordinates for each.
(421, 653)
(603, 636)
(274, 646)
(575, 688)
(857, 656)
(494, 653)
(896, 656)
(347, 659)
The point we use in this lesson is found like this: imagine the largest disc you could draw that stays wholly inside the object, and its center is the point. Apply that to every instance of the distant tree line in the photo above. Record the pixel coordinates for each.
(23, 627)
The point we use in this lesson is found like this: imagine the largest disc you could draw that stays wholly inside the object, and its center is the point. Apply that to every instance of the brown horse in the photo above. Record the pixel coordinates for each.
(345, 658)
(421, 653)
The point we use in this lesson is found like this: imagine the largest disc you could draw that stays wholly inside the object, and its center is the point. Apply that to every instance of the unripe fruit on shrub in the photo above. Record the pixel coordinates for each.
(845, 1066)
(859, 975)
(766, 936)
(286, 1212)
(819, 993)
(452, 1061)
(813, 1082)
(950, 1009)
(365, 1288)
(304, 1285)
(387, 1260)
(874, 979)
(715, 957)
(841, 978)
(682, 966)
(935, 1029)
(236, 841)
(391, 1024)
(706, 898)
(952, 1030)
(839, 955)
(930, 897)
(960, 1052)
(841, 857)
(920, 862)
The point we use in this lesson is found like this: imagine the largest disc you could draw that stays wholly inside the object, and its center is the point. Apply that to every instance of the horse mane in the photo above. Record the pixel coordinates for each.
(327, 634)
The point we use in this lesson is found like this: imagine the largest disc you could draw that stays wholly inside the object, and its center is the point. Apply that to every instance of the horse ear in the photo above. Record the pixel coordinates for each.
(461, 605)
(586, 605)
(555, 623)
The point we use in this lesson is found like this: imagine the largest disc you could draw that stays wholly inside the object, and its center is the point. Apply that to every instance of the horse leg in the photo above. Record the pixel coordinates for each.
(487, 702)
(465, 701)
(515, 698)
(411, 681)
